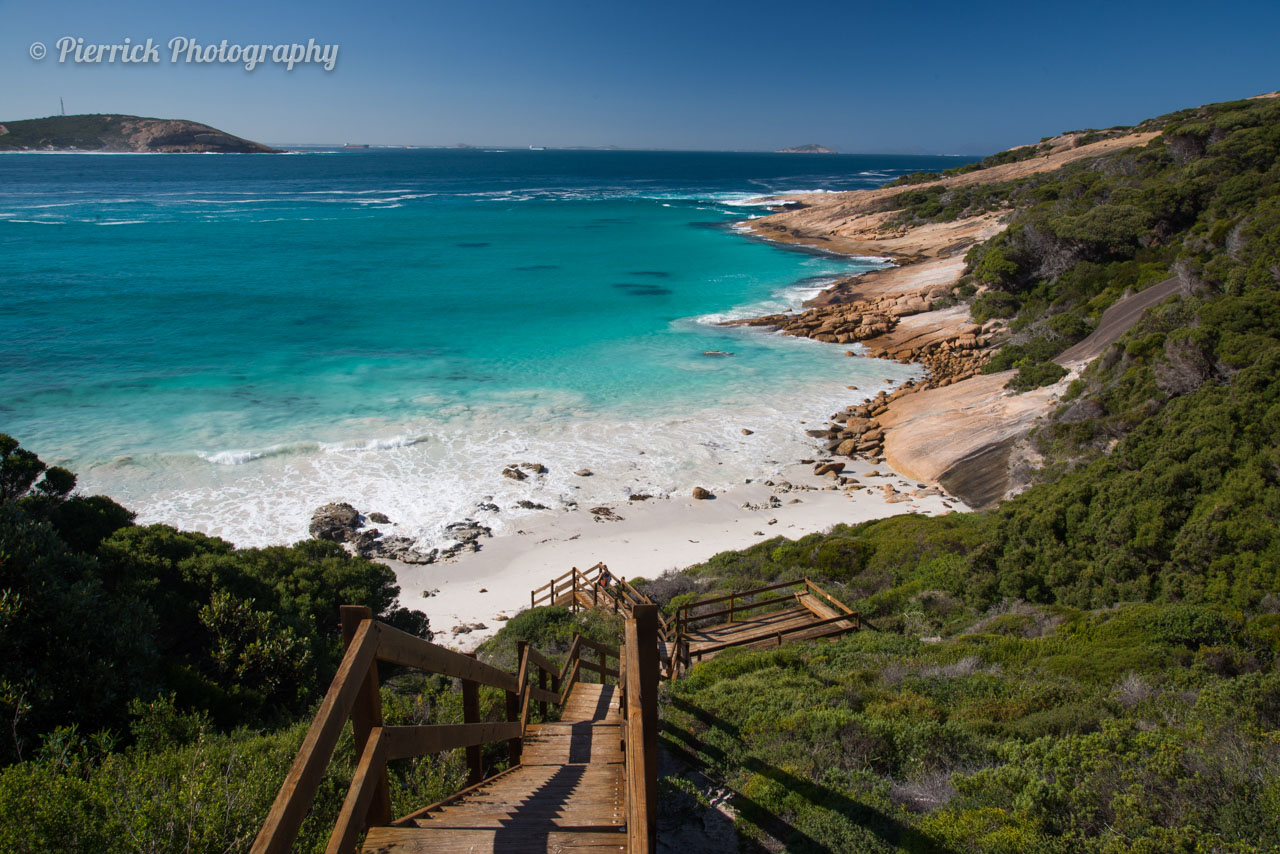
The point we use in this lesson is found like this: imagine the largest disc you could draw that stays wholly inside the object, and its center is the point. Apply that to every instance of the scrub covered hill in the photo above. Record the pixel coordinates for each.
(116, 133)
(1092, 665)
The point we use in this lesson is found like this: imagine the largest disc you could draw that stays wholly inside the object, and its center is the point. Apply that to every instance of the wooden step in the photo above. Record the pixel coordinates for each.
(538, 808)
(572, 744)
(592, 702)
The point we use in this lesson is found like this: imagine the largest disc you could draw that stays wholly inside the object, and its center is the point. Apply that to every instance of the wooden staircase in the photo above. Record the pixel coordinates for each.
(587, 781)
(567, 794)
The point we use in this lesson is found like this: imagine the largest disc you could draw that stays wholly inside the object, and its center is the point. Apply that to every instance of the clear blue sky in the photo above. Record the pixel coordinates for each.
(927, 77)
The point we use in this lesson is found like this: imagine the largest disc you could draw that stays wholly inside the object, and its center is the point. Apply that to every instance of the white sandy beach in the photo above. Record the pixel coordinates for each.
(653, 536)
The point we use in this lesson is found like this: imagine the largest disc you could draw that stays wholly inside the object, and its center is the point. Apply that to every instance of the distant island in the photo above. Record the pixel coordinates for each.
(811, 148)
(116, 133)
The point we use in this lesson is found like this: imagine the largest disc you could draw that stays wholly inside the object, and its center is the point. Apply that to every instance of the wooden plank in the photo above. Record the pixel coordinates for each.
(740, 608)
(360, 796)
(299, 787)
(746, 626)
(831, 598)
(401, 648)
(542, 661)
(402, 742)
(510, 841)
(822, 609)
(424, 811)
(775, 630)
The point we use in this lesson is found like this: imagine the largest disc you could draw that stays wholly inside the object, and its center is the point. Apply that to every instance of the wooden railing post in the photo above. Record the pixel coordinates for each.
(514, 745)
(471, 715)
(367, 714)
(642, 728)
(731, 604)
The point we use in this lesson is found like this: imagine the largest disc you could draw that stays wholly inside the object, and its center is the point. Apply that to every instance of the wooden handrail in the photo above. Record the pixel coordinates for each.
(542, 661)
(360, 795)
(597, 581)
(598, 668)
(745, 606)
(739, 594)
(402, 648)
(571, 657)
(824, 594)
(299, 787)
(353, 694)
(603, 649)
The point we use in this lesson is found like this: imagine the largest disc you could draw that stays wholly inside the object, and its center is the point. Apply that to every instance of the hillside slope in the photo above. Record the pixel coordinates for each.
(117, 133)
(1093, 665)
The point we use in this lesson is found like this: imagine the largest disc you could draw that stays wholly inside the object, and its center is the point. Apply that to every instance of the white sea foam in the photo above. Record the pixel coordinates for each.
(438, 472)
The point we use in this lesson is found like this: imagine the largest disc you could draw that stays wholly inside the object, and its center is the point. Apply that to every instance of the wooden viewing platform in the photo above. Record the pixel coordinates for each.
(813, 613)
(806, 612)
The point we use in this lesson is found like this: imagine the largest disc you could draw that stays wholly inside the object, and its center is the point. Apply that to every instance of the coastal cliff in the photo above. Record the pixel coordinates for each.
(122, 134)
(963, 427)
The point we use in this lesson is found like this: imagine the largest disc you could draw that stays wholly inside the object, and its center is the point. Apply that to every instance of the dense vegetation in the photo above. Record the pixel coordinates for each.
(1070, 139)
(143, 660)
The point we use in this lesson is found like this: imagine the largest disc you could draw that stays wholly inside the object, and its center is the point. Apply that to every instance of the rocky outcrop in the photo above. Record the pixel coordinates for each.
(342, 523)
(337, 523)
(957, 427)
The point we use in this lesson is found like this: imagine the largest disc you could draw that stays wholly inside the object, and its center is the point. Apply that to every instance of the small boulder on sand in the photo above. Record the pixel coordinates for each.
(702, 494)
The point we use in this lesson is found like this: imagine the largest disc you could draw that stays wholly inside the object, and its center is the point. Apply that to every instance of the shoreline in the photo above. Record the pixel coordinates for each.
(471, 595)
(959, 429)
(650, 538)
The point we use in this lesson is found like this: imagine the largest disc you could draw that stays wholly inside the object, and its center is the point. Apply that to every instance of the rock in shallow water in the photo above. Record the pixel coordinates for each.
(335, 522)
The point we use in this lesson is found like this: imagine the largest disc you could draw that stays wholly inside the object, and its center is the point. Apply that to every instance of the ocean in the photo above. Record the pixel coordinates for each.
(226, 342)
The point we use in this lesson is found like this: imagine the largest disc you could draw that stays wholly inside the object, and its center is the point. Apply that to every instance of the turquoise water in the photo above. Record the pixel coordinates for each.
(225, 342)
